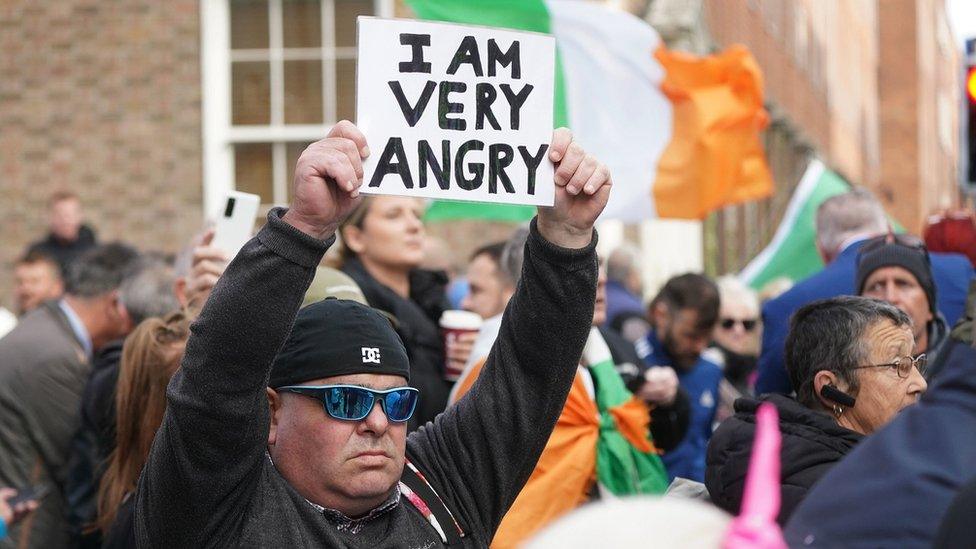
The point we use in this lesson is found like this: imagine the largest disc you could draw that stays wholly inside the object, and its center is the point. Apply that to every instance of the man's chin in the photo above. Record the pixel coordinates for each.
(372, 483)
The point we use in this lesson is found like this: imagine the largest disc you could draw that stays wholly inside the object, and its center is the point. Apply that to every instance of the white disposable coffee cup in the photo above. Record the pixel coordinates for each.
(454, 323)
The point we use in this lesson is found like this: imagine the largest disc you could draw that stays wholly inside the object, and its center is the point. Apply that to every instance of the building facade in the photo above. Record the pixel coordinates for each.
(151, 111)
(871, 88)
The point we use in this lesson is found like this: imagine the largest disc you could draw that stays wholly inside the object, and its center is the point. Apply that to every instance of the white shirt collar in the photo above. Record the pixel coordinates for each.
(78, 327)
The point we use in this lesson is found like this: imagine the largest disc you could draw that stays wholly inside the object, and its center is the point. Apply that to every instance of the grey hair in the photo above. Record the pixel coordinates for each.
(732, 290)
(621, 262)
(829, 334)
(510, 265)
(846, 215)
(101, 270)
(149, 292)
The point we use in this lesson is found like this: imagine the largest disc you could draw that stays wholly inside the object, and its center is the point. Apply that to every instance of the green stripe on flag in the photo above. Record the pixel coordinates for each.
(447, 210)
(527, 15)
(793, 251)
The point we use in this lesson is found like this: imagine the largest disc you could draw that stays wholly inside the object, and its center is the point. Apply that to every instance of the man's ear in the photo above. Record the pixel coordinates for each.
(825, 256)
(118, 310)
(274, 404)
(660, 316)
(179, 288)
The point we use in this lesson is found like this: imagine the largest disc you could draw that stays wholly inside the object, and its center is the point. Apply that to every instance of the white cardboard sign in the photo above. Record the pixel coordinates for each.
(455, 112)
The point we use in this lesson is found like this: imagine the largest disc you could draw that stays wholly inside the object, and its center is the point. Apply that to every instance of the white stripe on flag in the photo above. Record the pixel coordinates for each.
(615, 107)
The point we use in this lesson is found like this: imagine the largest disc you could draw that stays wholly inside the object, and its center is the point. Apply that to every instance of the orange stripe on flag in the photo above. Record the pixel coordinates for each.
(715, 157)
(634, 422)
(565, 472)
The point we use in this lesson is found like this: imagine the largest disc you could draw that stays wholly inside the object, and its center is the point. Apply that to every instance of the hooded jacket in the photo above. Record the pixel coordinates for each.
(812, 443)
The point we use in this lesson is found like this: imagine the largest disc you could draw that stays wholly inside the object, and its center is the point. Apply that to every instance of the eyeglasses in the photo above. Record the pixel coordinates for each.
(353, 403)
(749, 324)
(902, 365)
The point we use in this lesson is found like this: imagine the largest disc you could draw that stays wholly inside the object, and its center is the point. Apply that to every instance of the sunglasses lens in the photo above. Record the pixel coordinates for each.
(400, 404)
(728, 323)
(348, 403)
(749, 325)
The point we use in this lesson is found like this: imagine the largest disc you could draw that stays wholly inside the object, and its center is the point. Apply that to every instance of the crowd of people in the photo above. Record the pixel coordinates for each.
(290, 397)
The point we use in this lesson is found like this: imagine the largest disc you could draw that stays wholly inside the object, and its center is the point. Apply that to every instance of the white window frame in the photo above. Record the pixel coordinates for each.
(219, 134)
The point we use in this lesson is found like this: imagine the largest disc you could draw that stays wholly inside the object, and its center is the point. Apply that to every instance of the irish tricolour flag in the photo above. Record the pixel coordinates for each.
(679, 133)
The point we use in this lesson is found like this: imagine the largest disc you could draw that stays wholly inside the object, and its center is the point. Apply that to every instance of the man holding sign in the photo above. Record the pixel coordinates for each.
(288, 428)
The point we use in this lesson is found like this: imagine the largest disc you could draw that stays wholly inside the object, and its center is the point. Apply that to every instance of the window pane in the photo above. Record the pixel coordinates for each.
(303, 92)
(251, 90)
(294, 150)
(252, 170)
(249, 24)
(346, 89)
(302, 20)
(346, 12)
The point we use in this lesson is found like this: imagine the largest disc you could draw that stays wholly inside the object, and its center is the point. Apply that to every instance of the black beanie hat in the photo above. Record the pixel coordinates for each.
(894, 254)
(337, 337)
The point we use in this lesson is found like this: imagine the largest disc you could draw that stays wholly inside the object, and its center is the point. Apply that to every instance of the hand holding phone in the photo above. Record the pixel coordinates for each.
(17, 504)
(235, 225)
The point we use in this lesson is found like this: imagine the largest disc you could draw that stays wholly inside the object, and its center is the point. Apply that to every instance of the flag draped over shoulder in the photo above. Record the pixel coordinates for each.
(679, 133)
(600, 437)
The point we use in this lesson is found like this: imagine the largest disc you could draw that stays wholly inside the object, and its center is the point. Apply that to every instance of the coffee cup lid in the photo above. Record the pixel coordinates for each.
(460, 320)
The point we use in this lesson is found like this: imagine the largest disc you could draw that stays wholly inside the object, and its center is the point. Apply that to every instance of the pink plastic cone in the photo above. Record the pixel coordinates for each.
(756, 527)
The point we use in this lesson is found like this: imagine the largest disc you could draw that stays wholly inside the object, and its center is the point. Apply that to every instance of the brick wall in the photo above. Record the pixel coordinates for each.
(102, 98)
(918, 87)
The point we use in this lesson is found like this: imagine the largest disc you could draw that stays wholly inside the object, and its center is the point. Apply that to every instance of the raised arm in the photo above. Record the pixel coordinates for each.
(481, 451)
(212, 441)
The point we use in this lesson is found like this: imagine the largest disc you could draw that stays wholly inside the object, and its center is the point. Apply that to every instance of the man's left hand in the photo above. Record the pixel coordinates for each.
(582, 190)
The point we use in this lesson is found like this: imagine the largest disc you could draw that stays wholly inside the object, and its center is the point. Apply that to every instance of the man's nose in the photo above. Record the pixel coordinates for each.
(916, 383)
(376, 421)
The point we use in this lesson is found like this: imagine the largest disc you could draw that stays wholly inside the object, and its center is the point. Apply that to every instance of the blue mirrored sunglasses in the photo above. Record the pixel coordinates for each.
(353, 403)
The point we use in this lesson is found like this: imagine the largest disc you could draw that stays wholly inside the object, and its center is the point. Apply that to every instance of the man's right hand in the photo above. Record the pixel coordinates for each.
(327, 179)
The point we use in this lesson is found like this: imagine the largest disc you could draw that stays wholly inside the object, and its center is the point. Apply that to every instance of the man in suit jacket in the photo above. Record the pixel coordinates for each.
(844, 222)
(44, 365)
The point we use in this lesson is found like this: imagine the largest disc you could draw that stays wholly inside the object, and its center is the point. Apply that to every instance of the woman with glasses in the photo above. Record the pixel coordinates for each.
(851, 360)
(735, 342)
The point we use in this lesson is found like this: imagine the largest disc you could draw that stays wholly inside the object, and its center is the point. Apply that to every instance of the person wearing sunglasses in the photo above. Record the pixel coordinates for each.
(288, 428)
(735, 341)
(897, 268)
(852, 361)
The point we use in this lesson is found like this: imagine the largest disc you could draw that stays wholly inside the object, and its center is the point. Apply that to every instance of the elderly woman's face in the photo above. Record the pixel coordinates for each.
(883, 393)
(738, 328)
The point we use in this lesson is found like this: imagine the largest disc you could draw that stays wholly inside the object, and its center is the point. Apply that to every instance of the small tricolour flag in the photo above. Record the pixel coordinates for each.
(677, 153)
(793, 250)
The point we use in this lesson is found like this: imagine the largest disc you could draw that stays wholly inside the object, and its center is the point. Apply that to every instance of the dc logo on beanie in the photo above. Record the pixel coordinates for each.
(371, 354)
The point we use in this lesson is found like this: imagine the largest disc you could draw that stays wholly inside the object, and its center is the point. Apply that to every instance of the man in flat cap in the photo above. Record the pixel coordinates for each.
(288, 428)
